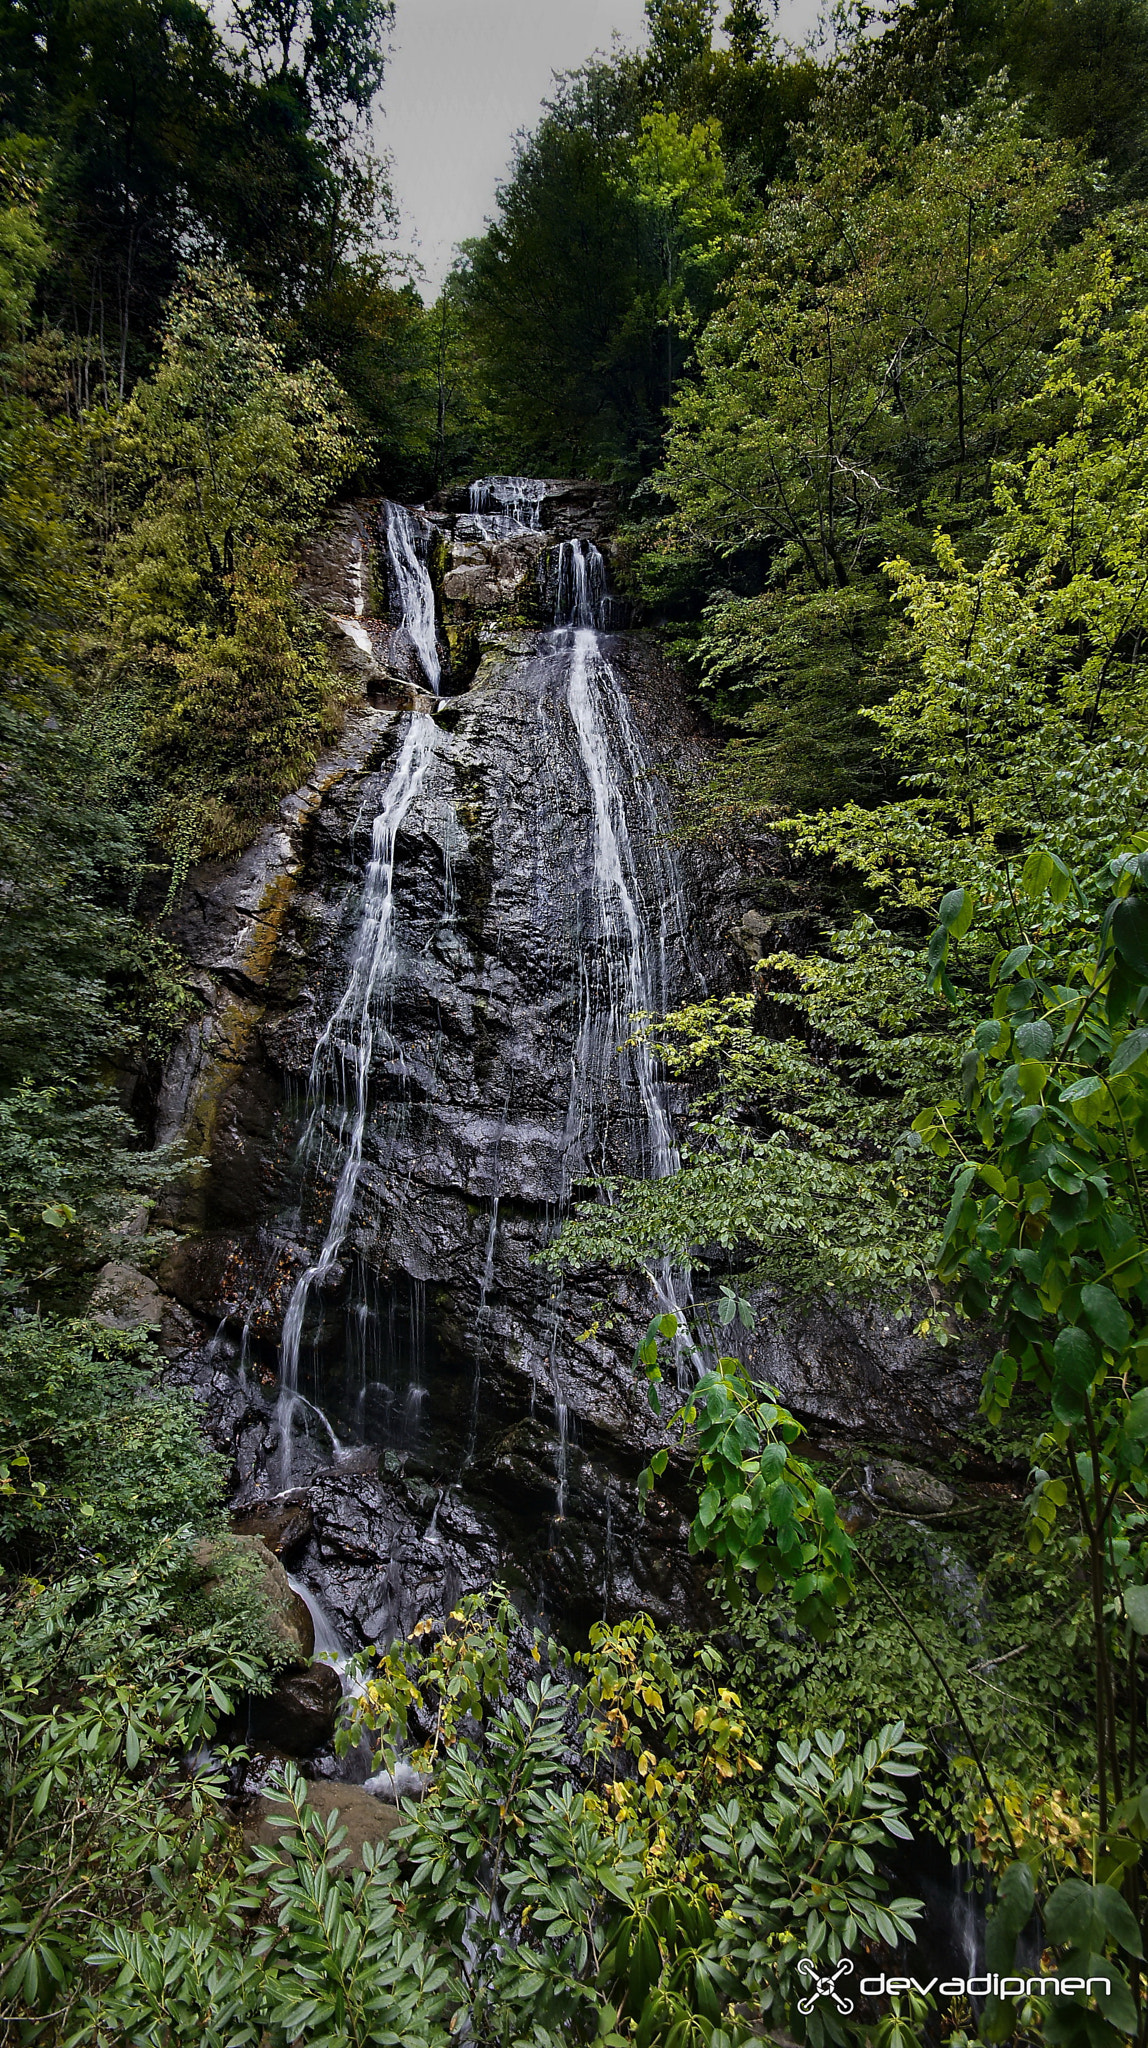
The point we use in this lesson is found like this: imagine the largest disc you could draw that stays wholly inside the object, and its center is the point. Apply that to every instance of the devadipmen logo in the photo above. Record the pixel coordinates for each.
(824, 1987)
(991, 1985)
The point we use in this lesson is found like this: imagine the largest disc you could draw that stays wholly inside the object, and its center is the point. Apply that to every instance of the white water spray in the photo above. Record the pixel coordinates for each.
(411, 585)
(344, 1053)
(508, 503)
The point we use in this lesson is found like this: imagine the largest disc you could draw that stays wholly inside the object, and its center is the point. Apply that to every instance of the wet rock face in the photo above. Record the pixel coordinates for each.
(482, 1417)
(298, 1716)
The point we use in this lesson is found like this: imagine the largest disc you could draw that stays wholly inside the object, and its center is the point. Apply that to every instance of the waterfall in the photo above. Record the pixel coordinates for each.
(582, 596)
(630, 974)
(508, 502)
(343, 1056)
(631, 969)
(632, 964)
(412, 588)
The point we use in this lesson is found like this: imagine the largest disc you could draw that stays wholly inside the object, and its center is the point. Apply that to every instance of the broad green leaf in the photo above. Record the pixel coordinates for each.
(1074, 1367)
(956, 911)
(1012, 961)
(1016, 1895)
(1069, 1912)
(1109, 1320)
(1079, 1091)
(1036, 873)
(1130, 933)
(1117, 2004)
(1135, 1600)
(1031, 1076)
(1118, 1918)
(1129, 1052)
(1034, 1041)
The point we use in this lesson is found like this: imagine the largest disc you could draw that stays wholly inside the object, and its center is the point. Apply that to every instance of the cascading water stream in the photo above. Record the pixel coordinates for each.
(343, 1054)
(411, 585)
(507, 504)
(631, 977)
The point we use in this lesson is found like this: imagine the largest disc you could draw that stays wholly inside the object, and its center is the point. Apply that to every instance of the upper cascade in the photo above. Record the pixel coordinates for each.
(517, 500)
(412, 588)
(582, 596)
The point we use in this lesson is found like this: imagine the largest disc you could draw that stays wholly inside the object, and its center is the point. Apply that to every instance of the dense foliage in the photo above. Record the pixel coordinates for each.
(861, 333)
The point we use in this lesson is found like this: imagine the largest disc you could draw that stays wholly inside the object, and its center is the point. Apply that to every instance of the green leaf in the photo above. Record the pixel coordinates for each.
(1079, 1091)
(1135, 1600)
(1037, 873)
(1016, 1895)
(1130, 933)
(1012, 961)
(1118, 2004)
(1129, 1052)
(1034, 1041)
(956, 912)
(1118, 1918)
(1110, 1322)
(1031, 1076)
(1074, 1369)
(1069, 1913)
(57, 1215)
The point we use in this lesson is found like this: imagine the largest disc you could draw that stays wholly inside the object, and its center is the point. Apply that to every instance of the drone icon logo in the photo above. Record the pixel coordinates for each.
(823, 1987)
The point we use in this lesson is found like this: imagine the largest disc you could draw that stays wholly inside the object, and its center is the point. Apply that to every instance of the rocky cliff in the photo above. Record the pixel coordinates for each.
(460, 1416)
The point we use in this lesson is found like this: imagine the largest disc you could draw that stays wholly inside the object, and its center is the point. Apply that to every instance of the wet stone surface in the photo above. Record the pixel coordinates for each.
(461, 1415)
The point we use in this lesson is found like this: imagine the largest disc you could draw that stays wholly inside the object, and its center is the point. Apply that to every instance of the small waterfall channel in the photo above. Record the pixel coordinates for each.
(625, 970)
(413, 590)
(342, 1061)
(629, 977)
(508, 504)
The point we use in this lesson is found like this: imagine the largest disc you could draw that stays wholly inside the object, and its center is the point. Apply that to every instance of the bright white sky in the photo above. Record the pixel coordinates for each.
(464, 76)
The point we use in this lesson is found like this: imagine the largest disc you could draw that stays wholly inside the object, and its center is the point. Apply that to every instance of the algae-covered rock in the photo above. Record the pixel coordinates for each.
(288, 1615)
(124, 1298)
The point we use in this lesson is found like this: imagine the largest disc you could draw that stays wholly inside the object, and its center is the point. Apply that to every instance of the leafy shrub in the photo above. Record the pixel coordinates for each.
(237, 713)
(93, 1457)
(110, 1678)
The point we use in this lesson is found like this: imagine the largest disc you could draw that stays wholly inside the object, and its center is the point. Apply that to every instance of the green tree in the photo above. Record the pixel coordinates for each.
(882, 337)
(221, 462)
(328, 50)
(679, 186)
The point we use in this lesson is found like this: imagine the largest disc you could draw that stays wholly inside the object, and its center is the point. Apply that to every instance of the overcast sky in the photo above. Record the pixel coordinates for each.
(464, 76)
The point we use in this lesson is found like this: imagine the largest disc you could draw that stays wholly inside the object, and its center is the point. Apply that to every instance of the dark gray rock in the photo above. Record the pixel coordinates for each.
(299, 1716)
(283, 1524)
(908, 1487)
(487, 1417)
(123, 1298)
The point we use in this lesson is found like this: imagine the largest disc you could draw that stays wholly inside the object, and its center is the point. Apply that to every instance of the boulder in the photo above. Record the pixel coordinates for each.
(365, 1819)
(288, 1613)
(283, 1524)
(123, 1298)
(299, 1716)
(907, 1487)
